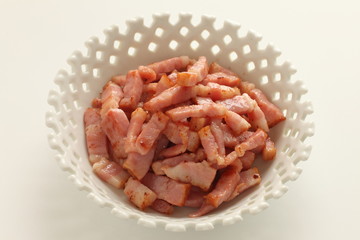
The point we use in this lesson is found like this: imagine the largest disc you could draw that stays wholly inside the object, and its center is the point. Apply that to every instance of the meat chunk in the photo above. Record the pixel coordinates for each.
(138, 117)
(237, 123)
(239, 104)
(168, 97)
(150, 132)
(248, 179)
(110, 97)
(176, 133)
(197, 123)
(115, 125)
(199, 174)
(272, 113)
(200, 111)
(173, 151)
(167, 189)
(132, 90)
(255, 140)
(216, 68)
(269, 151)
(172, 162)
(218, 135)
(196, 73)
(139, 194)
(203, 100)
(164, 83)
(246, 87)
(147, 73)
(111, 173)
(162, 206)
(222, 79)
(169, 65)
(95, 137)
(257, 119)
(193, 141)
(96, 103)
(216, 91)
(138, 165)
(209, 144)
(120, 80)
(247, 160)
(195, 198)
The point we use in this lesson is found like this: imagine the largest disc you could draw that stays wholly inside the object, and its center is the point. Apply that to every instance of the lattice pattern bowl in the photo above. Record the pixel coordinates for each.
(139, 44)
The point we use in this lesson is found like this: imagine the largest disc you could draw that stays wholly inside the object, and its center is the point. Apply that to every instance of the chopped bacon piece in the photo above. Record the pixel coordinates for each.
(193, 141)
(216, 91)
(218, 135)
(167, 189)
(138, 165)
(115, 125)
(110, 97)
(226, 185)
(96, 143)
(138, 117)
(272, 113)
(203, 100)
(162, 206)
(120, 80)
(237, 165)
(172, 162)
(176, 133)
(200, 155)
(195, 198)
(150, 132)
(147, 73)
(150, 87)
(162, 143)
(239, 104)
(173, 151)
(204, 209)
(230, 140)
(139, 194)
(132, 90)
(244, 136)
(223, 79)
(197, 123)
(236, 122)
(255, 140)
(91, 116)
(168, 97)
(209, 143)
(96, 103)
(111, 173)
(257, 119)
(163, 84)
(198, 174)
(215, 68)
(246, 87)
(208, 110)
(248, 179)
(196, 73)
(169, 65)
(269, 151)
(247, 160)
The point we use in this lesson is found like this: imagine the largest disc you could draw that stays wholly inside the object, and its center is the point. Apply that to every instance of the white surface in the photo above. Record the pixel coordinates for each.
(321, 39)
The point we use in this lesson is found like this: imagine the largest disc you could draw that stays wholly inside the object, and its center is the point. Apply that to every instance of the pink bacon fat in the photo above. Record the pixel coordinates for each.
(95, 137)
(138, 117)
(111, 173)
(140, 195)
(110, 97)
(132, 90)
(169, 65)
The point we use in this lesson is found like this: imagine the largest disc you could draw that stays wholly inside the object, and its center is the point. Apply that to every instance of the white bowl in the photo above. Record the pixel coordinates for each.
(140, 44)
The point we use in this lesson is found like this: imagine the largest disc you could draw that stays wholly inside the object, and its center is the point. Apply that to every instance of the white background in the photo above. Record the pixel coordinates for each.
(321, 38)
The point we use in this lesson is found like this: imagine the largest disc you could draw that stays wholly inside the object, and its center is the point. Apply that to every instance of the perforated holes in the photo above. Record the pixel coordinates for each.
(116, 44)
(63, 123)
(85, 87)
(276, 96)
(215, 49)
(277, 77)
(184, 31)
(173, 44)
(131, 51)
(246, 49)
(72, 122)
(76, 155)
(72, 87)
(112, 60)
(295, 133)
(289, 97)
(159, 32)
(71, 135)
(99, 55)
(279, 165)
(137, 37)
(84, 68)
(227, 39)
(66, 144)
(251, 202)
(294, 115)
(194, 45)
(205, 34)
(285, 111)
(264, 80)
(303, 138)
(263, 63)
(282, 172)
(76, 105)
(66, 106)
(286, 148)
(96, 73)
(250, 66)
(287, 132)
(152, 47)
(233, 56)
(291, 152)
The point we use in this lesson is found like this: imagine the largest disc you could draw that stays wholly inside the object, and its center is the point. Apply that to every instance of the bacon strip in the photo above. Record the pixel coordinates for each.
(168, 97)
(147, 73)
(139, 194)
(255, 140)
(193, 141)
(216, 68)
(197, 123)
(257, 119)
(269, 151)
(132, 90)
(138, 165)
(216, 91)
(239, 104)
(247, 160)
(198, 174)
(248, 179)
(173, 151)
(164, 83)
(115, 125)
(120, 80)
(195, 198)
(222, 79)
(169, 65)
(111, 173)
(218, 135)
(110, 97)
(172, 162)
(95, 137)
(150, 132)
(237, 123)
(167, 189)
(162, 206)
(138, 117)
(196, 73)
(208, 110)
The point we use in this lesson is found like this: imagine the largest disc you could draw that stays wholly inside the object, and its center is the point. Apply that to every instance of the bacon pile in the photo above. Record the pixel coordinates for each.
(180, 133)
